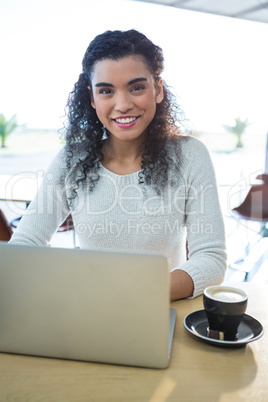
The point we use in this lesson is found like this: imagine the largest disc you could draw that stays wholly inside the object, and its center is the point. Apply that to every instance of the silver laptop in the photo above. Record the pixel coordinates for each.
(97, 306)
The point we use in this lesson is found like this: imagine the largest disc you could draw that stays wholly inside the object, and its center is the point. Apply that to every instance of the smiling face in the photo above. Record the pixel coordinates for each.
(124, 94)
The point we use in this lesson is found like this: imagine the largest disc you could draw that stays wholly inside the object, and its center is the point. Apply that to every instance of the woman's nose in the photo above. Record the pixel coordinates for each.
(123, 103)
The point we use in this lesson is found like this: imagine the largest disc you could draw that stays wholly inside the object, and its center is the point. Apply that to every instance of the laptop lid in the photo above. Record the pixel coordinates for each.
(98, 306)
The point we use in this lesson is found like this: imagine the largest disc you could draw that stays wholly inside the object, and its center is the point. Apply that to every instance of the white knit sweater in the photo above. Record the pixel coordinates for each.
(121, 214)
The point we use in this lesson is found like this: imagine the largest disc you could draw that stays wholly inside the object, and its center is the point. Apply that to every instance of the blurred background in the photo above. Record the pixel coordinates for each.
(216, 65)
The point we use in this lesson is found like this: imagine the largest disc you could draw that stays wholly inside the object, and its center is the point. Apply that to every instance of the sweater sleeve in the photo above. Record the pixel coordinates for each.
(204, 222)
(48, 209)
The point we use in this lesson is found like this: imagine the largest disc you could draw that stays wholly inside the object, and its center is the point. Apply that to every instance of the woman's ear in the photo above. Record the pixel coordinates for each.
(91, 97)
(159, 90)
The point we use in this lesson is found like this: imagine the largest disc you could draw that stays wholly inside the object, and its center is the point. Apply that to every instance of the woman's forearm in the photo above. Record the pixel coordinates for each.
(181, 285)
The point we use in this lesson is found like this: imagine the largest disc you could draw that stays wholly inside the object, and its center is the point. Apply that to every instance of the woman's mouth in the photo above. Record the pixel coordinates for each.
(126, 122)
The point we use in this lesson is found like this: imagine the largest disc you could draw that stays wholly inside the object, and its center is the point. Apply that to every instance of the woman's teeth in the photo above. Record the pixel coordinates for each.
(125, 121)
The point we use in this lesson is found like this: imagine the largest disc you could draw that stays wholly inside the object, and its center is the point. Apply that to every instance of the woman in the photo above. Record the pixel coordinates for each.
(127, 175)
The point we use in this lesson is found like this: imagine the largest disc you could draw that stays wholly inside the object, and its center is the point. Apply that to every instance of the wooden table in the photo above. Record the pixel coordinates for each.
(198, 371)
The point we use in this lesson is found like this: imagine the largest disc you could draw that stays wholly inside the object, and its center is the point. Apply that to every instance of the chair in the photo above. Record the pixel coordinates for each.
(254, 208)
(5, 228)
(255, 205)
(68, 225)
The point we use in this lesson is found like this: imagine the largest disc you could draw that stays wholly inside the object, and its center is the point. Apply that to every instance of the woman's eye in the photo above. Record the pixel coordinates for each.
(138, 88)
(105, 91)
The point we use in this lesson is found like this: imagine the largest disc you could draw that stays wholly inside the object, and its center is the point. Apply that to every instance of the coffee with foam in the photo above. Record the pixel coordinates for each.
(225, 307)
(227, 295)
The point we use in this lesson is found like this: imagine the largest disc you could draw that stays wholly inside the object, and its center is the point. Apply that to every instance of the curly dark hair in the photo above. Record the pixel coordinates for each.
(84, 126)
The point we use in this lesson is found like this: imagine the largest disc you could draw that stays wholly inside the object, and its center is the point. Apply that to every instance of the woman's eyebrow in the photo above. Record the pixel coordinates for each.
(131, 82)
(103, 84)
(137, 80)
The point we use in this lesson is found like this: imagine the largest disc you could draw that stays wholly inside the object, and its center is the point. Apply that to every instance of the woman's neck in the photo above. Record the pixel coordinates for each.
(122, 157)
